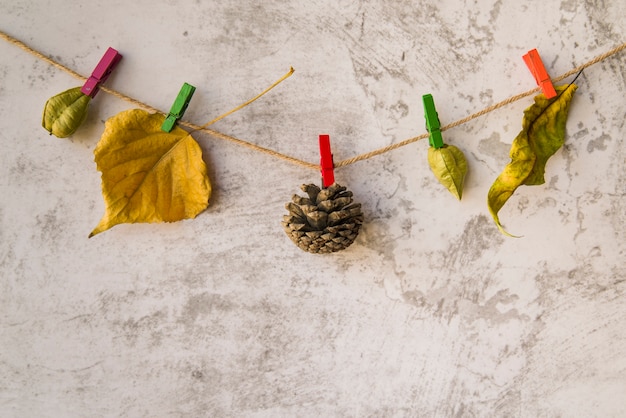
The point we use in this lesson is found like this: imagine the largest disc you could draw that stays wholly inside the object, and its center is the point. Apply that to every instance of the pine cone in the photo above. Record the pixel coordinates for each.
(324, 222)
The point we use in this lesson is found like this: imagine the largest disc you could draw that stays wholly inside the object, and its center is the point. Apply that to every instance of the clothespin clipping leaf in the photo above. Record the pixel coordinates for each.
(448, 164)
(149, 175)
(543, 133)
(65, 112)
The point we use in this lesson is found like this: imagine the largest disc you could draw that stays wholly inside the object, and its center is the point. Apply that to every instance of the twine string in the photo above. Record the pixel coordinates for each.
(294, 160)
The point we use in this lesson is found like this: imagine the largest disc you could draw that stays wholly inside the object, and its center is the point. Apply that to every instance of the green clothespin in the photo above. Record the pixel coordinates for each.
(432, 122)
(178, 108)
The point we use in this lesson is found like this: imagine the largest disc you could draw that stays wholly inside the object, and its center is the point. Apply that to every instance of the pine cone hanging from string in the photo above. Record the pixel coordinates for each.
(324, 222)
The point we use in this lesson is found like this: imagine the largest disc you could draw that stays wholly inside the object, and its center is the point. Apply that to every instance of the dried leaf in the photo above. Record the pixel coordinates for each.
(65, 112)
(448, 164)
(149, 175)
(543, 133)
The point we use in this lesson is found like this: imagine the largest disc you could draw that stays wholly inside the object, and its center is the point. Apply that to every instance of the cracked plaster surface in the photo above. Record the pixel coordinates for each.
(431, 312)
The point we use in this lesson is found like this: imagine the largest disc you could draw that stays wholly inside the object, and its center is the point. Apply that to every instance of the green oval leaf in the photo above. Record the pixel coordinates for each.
(65, 112)
(448, 164)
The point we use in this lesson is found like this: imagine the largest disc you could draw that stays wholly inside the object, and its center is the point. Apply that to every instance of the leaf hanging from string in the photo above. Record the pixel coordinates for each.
(149, 175)
(543, 133)
(65, 112)
(448, 164)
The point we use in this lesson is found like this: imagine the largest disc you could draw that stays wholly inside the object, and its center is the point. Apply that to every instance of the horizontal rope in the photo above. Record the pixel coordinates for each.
(294, 160)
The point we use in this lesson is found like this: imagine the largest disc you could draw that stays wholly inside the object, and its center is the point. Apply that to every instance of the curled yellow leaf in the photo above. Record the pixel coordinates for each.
(149, 175)
(543, 133)
(65, 112)
(448, 164)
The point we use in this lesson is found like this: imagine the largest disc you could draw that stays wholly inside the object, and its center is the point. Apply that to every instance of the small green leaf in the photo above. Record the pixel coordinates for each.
(449, 166)
(65, 112)
(543, 133)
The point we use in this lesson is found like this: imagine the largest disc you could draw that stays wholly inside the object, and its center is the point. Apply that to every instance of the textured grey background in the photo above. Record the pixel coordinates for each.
(432, 312)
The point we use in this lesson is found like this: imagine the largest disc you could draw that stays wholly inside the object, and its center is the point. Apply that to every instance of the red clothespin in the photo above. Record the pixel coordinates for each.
(101, 72)
(327, 167)
(536, 67)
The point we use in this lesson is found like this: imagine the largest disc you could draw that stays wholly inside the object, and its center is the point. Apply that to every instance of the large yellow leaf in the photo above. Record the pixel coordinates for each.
(149, 175)
(543, 133)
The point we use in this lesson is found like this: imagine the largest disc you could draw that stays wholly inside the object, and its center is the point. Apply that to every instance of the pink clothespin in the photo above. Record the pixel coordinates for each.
(101, 72)
(327, 166)
(536, 67)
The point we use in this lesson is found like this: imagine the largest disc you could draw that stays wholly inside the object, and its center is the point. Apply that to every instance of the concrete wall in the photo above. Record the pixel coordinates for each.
(431, 312)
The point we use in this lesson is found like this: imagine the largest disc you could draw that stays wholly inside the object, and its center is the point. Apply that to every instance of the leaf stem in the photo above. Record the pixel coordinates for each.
(241, 106)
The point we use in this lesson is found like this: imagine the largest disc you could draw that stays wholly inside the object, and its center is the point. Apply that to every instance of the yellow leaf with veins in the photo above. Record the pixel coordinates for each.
(543, 134)
(448, 164)
(149, 175)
